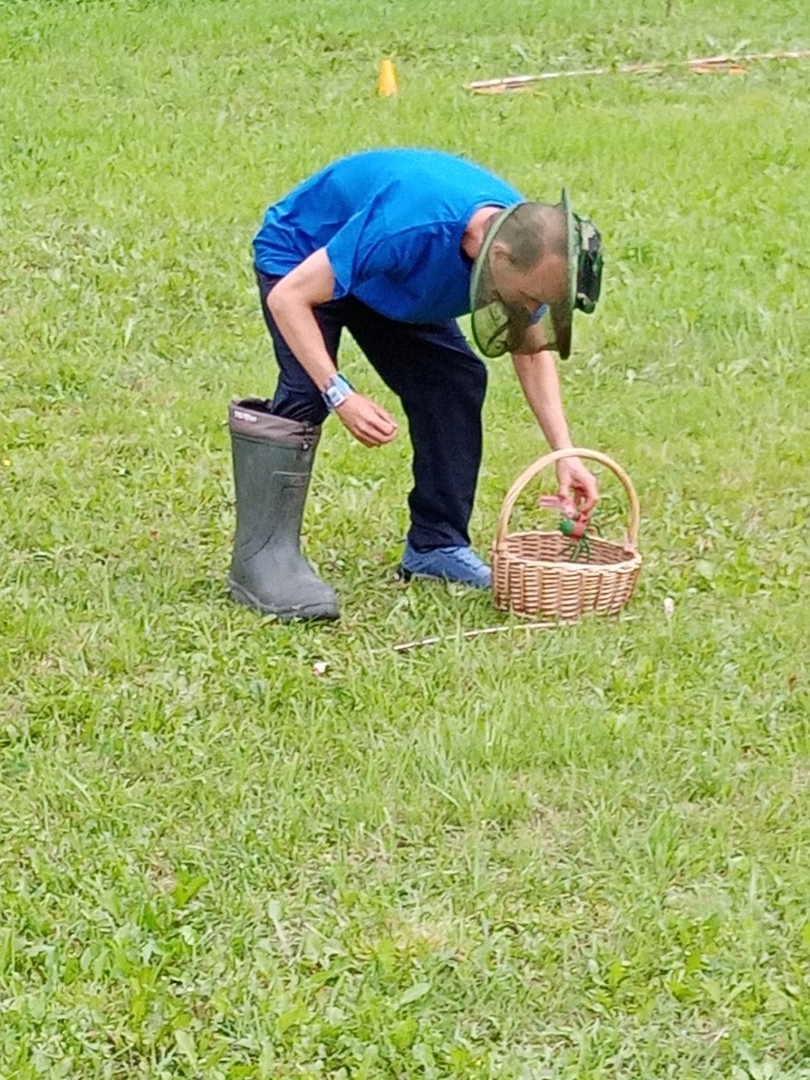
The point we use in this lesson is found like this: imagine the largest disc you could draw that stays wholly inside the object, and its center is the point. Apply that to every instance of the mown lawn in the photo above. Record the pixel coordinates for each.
(573, 854)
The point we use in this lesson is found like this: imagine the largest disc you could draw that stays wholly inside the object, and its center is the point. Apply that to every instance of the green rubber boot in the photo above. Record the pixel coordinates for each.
(272, 464)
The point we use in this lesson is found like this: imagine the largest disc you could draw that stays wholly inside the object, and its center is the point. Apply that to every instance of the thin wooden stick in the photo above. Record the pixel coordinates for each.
(405, 645)
(700, 63)
(556, 625)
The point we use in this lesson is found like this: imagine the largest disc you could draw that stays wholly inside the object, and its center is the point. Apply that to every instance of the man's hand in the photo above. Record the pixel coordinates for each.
(367, 421)
(577, 485)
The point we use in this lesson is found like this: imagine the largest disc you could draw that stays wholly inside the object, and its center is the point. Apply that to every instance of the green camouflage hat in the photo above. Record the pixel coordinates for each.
(499, 327)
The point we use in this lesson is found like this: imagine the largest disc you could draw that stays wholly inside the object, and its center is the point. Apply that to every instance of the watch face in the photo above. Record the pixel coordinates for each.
(336, 391)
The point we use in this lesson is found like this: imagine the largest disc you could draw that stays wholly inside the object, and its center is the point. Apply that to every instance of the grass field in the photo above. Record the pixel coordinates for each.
(579, 854)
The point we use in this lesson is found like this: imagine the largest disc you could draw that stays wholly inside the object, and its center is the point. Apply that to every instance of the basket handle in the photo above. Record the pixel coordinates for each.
(631, 536)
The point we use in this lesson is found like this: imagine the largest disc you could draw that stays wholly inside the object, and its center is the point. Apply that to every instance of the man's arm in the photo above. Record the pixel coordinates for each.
(291, 302)
(537, 373)
(538, 377)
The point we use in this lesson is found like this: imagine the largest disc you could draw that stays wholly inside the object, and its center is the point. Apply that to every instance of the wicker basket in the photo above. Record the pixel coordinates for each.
(532, 575)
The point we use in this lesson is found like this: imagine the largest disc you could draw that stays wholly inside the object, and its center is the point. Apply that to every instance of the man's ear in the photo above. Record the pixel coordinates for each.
(500, 253)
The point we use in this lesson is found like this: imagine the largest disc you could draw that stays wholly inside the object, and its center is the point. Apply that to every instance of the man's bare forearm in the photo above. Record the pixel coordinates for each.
(292, 302)
(538, 377)
(300, 330)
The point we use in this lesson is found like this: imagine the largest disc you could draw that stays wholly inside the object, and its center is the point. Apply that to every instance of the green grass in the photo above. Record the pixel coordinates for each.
(580, 854)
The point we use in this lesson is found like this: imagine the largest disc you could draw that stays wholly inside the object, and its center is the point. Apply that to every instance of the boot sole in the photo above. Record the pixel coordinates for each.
(304, 613)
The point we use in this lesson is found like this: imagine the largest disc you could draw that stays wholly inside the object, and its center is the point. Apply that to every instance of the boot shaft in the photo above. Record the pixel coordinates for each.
(272, 465)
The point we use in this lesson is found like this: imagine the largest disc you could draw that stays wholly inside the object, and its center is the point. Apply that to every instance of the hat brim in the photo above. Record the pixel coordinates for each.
(562, 313)
(562, 318)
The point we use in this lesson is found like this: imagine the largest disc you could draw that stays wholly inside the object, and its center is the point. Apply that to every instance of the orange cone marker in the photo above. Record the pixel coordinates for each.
(387, 82)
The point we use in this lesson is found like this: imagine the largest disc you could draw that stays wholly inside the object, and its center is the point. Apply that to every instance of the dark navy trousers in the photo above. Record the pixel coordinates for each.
(441, 384)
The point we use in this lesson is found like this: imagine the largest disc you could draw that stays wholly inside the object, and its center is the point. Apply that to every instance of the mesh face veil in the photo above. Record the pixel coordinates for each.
(499, 327)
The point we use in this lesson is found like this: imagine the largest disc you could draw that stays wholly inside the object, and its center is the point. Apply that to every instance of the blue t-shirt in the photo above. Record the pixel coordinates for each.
(392, 222)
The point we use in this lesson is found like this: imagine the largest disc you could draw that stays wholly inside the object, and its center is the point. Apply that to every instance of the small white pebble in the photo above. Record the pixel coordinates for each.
(669, 607)
(319, 667)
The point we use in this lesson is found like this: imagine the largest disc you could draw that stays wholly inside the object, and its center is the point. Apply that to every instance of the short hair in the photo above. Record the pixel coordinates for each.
(532, 231)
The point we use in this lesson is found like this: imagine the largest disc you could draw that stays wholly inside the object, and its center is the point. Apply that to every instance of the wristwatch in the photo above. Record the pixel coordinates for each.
(336, 391)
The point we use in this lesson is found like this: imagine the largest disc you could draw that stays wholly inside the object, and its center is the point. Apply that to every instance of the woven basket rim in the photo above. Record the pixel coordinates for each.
(499, 548)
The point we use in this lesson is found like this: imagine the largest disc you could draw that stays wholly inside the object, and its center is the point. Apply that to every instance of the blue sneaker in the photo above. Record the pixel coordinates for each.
(459, 564)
